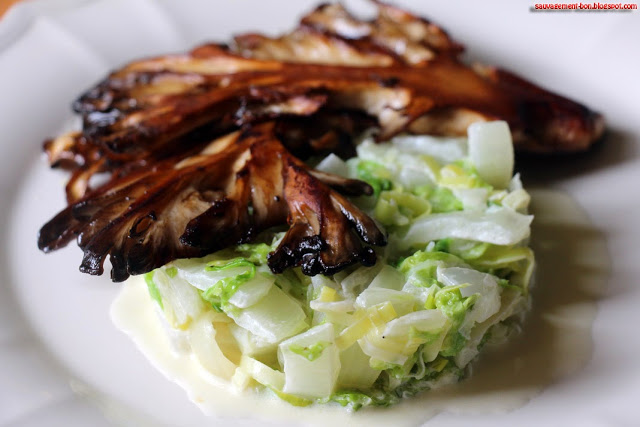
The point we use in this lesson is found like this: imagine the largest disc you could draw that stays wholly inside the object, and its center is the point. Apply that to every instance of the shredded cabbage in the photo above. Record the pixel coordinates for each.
(457, 270)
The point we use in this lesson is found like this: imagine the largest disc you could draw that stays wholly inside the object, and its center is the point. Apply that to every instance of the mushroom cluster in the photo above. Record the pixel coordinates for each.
(204, 150)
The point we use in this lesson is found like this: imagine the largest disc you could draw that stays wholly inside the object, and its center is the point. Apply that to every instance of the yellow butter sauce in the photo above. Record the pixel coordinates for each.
(555, 342)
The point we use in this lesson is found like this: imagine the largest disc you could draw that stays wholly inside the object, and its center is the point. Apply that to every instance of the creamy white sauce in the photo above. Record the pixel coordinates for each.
(572, 267)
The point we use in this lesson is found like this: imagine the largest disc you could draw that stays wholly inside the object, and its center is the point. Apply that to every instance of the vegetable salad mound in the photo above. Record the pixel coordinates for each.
(454, 276)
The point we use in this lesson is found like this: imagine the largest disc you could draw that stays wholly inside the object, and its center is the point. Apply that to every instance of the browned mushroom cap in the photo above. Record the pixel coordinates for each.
(239, 185)
(171, 192)
(400, 69)
(128, 113)
(395, 34)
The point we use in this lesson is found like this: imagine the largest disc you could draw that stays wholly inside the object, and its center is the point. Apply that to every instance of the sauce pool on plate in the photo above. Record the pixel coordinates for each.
(555, 341)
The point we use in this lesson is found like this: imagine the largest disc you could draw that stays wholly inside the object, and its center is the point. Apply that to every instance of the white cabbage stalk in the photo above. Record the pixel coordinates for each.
(275, 317)
(510, 302)
(364, 321)
(252, 291)
(388, 278)
(518, 200)
(333, 164)
(414, 170)
(202, 337)
(412, 177)
(378, 348)
(355, 282)
(515, 183)
(485, 285)
(491, 151)
(250, 344)
(319, 281)
(311, 378)
(473, 199)
(262, 373)
(430, 350)
(445, 150)
(410, 170)
(421, 293)
(423, 321)
(402, 302)
(500, 226)
(226, 341)
(376, 152)
(343, 306)
(194, 272)
(181, 301)
(459, 246)
(328, 306)
(355, 371)
(240, 380)
(392, 344)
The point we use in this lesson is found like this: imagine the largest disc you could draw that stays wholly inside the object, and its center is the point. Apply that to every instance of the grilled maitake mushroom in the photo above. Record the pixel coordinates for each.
(239, 185)
(267, 103)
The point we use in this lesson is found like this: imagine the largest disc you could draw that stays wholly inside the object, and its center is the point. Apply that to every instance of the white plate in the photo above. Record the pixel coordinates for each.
(61, 360)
